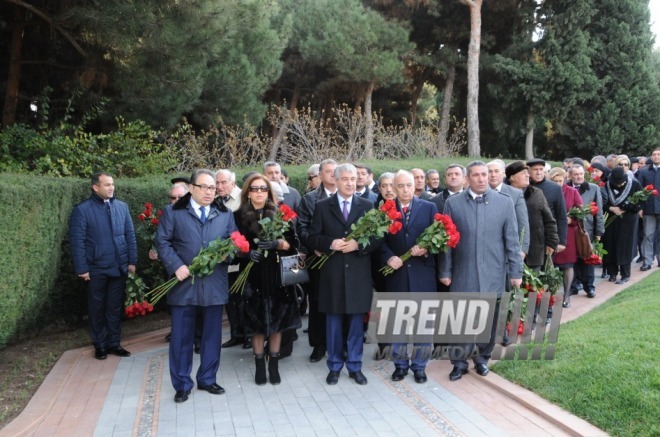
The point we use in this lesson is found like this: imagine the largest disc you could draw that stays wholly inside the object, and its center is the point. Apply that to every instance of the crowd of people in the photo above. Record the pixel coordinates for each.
(508, 214)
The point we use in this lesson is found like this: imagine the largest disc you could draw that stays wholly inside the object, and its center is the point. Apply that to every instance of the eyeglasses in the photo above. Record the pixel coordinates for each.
(175, 197)
(310, 177)
(205, 188)
(262, 188)
(624, 164)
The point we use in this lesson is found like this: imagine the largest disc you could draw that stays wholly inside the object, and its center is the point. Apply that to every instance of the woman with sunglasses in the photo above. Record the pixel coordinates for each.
(266, 309)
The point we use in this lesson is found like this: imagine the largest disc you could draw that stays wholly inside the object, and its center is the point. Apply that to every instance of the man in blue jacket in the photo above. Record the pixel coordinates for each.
(104, 251)
(186, 227)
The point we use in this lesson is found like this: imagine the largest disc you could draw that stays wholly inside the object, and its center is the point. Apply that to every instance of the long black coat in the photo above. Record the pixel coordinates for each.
(345, 282)
(542, 226)
(265, 307)
(620, 236)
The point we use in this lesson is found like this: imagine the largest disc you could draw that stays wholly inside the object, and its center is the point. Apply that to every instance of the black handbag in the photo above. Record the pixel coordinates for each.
(292, 270)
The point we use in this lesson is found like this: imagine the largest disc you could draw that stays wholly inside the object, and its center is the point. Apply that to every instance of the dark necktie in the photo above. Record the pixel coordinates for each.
(202, 214)
(480, 199)
(344, 210)
(225, 199)
(406, 213)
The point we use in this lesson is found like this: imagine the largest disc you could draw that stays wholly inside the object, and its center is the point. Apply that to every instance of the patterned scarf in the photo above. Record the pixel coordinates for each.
(618, 200)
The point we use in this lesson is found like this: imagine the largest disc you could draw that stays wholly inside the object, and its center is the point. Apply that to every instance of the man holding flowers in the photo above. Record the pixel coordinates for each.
(416, 274)
(650, 177)
(345, 285)
(189, 225)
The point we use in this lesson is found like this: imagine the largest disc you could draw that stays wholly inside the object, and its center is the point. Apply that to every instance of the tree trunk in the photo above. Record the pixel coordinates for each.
(446, 107)
(14, 73)
(474, 49)
(529, 138)
(369, 124)
(281, 131)
(414, 99)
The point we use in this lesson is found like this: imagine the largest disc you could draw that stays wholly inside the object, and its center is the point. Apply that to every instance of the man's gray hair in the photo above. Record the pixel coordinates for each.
(313, 170)
(456, 166)
(326, 162)
(404, 173)
(179, 184)
(431, 171)
(231, 174)
(345, 168)
(499, 163)
(386, 175)
(270, 164)
(473, 164)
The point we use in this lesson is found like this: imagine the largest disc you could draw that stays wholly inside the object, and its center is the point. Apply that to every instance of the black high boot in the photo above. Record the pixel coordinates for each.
(260, 372)
(273, 370)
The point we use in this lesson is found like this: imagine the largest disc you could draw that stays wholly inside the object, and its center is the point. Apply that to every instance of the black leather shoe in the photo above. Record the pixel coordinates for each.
(100, 354)
(622, 281)
(317, 355)
(247, 344)
(591, 293)
(482, 369)
(399, 374)
(359, 377)
(457, 373)
(420, 376)
(232, 342)
(332, 378)
(214, 389)
(612, 278)
(119, 351)
(645, 267)
(181, 396)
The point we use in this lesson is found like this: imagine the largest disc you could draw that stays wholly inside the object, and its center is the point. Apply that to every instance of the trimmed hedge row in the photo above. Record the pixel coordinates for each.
(38, 285)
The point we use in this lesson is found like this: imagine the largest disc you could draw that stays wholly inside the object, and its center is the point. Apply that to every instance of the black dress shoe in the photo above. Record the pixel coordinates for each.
(645, 267)
(232, 342)
(622, 281)
(591, 293)
(100, 354)
(181, 396)
(119, 351)
(420, 376)
(214, 389)
(457, 373)
(359, 377)
(482, 369)
(332, 378)
(247, 344)
(399, 374)
(612, 278)
(317, 354)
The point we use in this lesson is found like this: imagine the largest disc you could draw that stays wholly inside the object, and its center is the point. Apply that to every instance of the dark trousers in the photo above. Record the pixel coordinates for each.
(613, 269)
(181, 345)
(233, 315)
(104, 309)
(335, 341)
(316, 326)
(460, 354)
(584, 275)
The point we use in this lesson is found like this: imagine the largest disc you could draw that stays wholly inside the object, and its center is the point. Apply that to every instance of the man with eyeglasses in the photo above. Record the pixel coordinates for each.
(185, 228)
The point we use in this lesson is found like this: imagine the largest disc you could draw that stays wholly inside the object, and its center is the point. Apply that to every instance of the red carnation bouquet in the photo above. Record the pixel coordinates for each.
(136, 303)
(374, 224)
(271, 229)
(147, 224)
(597, 253)
(584, 211)
(635, 198)
(436, 238)
(205, 262)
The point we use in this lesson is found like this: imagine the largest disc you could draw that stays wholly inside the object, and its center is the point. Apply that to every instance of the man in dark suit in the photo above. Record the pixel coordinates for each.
(454, 181)
(273, 172)
(418, 274)
(185, 228)
(344, 288)
(316, 320)
(362, 184)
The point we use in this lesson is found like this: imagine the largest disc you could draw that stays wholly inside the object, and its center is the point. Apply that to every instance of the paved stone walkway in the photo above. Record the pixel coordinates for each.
(133, 397)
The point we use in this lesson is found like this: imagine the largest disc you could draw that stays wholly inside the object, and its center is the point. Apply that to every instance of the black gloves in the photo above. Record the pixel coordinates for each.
(267, 245)
(256, 256)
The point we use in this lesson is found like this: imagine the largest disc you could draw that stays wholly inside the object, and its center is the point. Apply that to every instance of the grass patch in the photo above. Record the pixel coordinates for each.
(606, 366)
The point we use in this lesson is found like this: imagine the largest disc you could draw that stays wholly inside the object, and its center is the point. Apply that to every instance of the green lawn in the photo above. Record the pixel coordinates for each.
(606, 369)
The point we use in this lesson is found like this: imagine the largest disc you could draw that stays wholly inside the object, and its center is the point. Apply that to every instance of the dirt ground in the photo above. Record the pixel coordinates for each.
(24, 365)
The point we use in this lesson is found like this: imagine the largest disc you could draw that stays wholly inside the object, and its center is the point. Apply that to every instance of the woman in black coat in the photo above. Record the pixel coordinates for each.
(266, 309)
(621, 235)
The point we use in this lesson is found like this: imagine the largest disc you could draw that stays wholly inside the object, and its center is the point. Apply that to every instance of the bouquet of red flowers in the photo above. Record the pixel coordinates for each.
(374, 224)
(635, 198)
(147, 224)
(436, 238)
(136, 303)
(596, 257)
(203, 264)
(270, 230)
(582, 212)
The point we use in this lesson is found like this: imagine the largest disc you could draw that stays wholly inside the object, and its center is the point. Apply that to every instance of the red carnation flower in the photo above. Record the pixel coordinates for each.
(552, 300)
(521, 326)
(142, 217)
(438, 217)
(654, 192)
(154, 221)
(649, 187)
(160, 212)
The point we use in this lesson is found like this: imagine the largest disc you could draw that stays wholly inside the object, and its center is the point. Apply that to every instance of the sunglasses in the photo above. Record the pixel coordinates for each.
(624, 164)
(262, 188)
(175, 197)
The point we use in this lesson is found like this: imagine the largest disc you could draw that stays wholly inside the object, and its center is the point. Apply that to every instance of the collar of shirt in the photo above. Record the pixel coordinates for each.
(499, 187)
(655, 167)
(196, 207)
(473, 194)
(451, 193)
(341, 201)
(329, 193)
